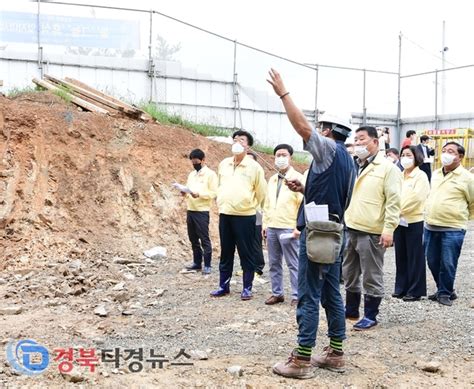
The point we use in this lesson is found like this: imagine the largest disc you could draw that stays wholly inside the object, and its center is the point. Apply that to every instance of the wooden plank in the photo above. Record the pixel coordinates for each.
(144, 116)
(74, 99)
(96, 92)
(90, 95)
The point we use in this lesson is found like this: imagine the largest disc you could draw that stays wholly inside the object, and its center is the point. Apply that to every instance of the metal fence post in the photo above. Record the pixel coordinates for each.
(436, 99)
(364, 108)
(40, 48)
(316, 110)
(151, 63)
(399, 103)
(234, 84)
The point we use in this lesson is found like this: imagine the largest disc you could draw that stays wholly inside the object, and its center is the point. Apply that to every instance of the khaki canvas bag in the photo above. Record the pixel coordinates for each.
(324, 241)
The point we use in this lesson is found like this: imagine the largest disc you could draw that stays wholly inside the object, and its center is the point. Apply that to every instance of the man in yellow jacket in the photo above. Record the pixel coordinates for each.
(241, 190)
(279, 225)
(202, 182)
(372, 216)
(449, 207)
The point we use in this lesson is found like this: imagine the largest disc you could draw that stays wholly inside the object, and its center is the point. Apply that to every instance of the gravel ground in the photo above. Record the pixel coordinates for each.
(152, 305)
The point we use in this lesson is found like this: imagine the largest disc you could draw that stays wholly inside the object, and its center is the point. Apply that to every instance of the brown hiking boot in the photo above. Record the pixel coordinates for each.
(329, 360)
(296, 366)
(272, 300)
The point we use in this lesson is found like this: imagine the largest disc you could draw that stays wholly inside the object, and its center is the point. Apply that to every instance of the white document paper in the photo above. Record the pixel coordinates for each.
(403, 222)
(286, 236)
(428, 160)
(182, 188)
(316, 213)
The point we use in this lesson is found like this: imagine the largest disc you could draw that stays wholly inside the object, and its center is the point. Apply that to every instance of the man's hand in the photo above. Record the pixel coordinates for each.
(276, 82)
(295, 185)
(386, 240)
(296, 233)
(195, 195)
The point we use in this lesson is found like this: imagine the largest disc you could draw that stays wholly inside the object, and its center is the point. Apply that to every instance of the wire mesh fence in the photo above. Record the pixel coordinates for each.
(144, 55)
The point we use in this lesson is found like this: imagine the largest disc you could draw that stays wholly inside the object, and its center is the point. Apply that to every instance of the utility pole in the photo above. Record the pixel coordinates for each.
(443, 73)
(399, 103)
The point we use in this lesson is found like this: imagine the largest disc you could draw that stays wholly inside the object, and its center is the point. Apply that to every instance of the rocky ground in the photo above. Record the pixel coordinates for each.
(134, 302)
(82, 196)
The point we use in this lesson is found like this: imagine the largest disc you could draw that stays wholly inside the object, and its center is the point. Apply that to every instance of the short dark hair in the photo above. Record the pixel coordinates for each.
(424, 138)
(418, 156)
(283, 146)
(393, 150)
(244, 133)
(410, 133)
(371, 131)
(461, 150)
(349, 145)
(197, 153)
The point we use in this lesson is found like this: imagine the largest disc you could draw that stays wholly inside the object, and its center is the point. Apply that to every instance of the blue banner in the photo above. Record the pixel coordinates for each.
(21, 27)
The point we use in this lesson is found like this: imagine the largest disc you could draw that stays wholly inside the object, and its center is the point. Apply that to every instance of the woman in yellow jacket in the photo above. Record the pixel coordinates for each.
(410, 281)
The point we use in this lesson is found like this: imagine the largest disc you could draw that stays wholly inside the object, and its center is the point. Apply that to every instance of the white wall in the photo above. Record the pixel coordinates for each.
(197, 97)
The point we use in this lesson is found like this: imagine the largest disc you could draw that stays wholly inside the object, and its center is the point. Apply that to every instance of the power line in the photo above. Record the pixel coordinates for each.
(305, 65)
(426, 50)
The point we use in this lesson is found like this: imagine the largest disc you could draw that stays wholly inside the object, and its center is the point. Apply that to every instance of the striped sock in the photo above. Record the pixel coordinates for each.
(335, 344)
(304, 351)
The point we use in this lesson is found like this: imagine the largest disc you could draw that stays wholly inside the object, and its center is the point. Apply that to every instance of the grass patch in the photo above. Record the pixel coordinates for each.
(263, 149)
(16, 92)
(302, 157)
(208, 130)
(64, 92)
(165, 118)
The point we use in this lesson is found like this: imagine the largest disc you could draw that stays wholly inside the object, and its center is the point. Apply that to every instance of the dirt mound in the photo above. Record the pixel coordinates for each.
(75, 183)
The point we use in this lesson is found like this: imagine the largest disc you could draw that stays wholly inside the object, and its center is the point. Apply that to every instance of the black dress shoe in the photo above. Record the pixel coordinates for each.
(411, 298)
(445, 300)
(434, 296)
(398, 295)
(193, 267)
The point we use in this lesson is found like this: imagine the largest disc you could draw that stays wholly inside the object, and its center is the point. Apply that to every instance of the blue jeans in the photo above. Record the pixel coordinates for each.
(442, 251)
(318, 283)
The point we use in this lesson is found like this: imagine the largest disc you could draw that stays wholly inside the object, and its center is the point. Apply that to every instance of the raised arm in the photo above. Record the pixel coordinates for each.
(295, 115)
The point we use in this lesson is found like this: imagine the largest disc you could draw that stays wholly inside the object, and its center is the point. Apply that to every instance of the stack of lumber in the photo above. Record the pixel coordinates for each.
(91, 99)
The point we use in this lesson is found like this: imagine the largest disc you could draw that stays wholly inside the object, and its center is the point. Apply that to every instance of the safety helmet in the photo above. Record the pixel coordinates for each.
(339, 124)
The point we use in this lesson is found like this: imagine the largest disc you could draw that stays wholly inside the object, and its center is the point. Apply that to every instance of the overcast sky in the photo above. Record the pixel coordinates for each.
(360, 33)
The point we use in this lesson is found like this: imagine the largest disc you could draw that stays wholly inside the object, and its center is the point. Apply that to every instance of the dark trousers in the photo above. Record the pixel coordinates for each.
(198, 233)
(426, 167)
(259, 258)
(237, 231)
(410, 279)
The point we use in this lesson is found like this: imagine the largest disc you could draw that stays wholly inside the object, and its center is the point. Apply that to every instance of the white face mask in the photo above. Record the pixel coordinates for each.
(407, 162)
(391, 159)
(447, 159)
(361, 152)
(237, 148)
(282, 162)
